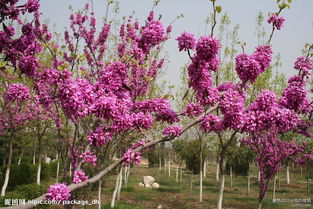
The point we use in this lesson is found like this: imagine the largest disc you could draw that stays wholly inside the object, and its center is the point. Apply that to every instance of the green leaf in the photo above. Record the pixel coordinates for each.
(282, 6)
(167, 96)
(289, 1)
(2, 64)
(218, 9)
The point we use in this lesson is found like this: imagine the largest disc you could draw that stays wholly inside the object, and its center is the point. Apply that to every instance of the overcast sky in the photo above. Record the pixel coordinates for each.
(297, 31)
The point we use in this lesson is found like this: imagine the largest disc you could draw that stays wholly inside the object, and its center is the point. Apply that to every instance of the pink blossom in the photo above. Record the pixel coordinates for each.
(131, 156)
(58, 192)
(79, 176)
(88, 157)
(210, 123)
(172, 131)
(186, 41)
(278, 22)
(192, 110)
(17, 92)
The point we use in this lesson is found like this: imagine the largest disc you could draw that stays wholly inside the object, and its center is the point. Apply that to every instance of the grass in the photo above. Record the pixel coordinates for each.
(178, 195)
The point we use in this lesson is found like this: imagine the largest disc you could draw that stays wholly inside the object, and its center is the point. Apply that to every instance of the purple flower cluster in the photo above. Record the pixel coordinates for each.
(186, 41)
(233, 109)
(89, 157)
(210, 123)
(295, 95)
(278, 22)
(99, 137)
(249, 67)
(58, 192)
(203, 62)
(192, 110)
(172, 131)
(142, 120)
(131, 156)
(265, 113)
(17, 92)
(79, 176)
(304, 65)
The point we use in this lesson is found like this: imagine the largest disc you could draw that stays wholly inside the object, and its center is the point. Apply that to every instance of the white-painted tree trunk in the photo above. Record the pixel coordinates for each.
(115, 191)
(217, 171)
(259, 176)
(231, 176)
(181, 177)
(169, 166)
(301, 170)
(7, 172)
(58, 171)
(248, 185)
(120, 184)
(70, 169)
(287, 174)
(176, 173)
(220, 193)
(6, 181)
(190, 190)
(160, 163)
(99, 193)
(204, 169)
(38, 171)
(274, 189)
(20, 159)
(201, 180)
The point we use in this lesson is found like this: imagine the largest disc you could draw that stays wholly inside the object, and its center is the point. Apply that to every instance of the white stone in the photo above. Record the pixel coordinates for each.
(148, 180)
(141, 184)
(148, 186)
(47, 160)
(159, 207)
(155, 185)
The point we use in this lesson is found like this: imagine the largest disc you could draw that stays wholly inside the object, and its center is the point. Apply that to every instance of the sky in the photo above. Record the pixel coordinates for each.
(297, 30)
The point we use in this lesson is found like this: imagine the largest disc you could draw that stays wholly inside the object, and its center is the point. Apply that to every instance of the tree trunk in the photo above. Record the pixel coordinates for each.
(217, 170)
(38, 170)
(70, 169)
(301, 170)
(169, 166)
(204, 168)
(220, 194)
(201, 185)
(190, 190)
(58, 171)
(231, 176)
(307, 179)
(177, 173)
(201, 169)
(115, 191)
(160, 163)
(222, 179)
(287, 174)
(274, 189)
(120, 184)
(99, 193)
(260, 204)
(249, 183)
(34, 153)
(20, 159)
(181, 176)
(7, 172)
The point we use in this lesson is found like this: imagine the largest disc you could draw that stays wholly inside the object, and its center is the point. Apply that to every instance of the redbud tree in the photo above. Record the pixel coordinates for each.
(101, 91)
